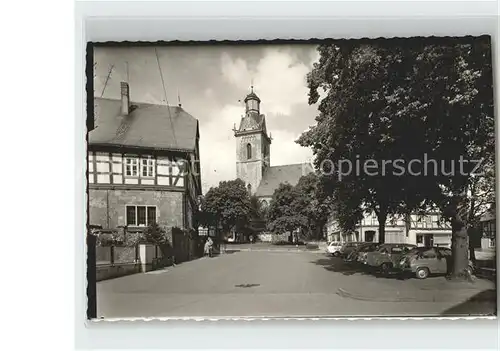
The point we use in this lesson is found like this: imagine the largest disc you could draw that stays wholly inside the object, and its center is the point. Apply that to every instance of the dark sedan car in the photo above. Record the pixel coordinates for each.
(359, 255)
(348, 247)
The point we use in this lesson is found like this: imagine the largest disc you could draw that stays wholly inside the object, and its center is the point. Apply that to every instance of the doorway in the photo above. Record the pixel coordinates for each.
(369, 236)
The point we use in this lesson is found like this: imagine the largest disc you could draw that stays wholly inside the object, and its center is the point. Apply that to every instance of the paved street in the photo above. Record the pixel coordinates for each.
(279, 283)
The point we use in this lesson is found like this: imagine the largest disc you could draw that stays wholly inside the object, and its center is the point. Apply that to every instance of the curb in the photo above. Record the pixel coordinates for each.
(272, 250)
(437, 296)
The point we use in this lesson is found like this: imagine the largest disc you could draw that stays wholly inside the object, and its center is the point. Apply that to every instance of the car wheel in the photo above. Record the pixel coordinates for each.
(422, 273)
(385, 267)
(336, 254)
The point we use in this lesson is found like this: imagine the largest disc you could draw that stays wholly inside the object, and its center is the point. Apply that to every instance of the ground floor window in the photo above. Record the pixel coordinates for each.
(426, 240)
(140, 215)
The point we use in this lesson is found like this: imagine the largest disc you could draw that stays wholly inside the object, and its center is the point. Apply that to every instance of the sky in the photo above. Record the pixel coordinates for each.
(210, 81)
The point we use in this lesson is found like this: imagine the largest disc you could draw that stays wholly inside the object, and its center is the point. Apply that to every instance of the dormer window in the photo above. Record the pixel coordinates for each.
(249, 151)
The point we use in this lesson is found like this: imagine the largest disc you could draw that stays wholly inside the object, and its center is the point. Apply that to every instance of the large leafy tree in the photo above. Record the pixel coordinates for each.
(257, 211)
(313, 205)
(461, 125)
(356, 129)
(408, 100)
(227, 206)
(284, 215)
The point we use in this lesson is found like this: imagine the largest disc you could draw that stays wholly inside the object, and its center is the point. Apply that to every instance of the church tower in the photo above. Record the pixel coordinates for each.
(252, 144)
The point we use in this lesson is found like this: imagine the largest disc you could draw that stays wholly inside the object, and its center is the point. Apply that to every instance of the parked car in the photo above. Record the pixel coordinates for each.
(348, 247)
(424, 261)
(354, 254)
(334, 248)
(362, 251)
(387, 256)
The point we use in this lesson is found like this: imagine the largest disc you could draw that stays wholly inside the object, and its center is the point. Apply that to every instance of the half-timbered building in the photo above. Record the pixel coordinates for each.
(419, 229)
(143, 164)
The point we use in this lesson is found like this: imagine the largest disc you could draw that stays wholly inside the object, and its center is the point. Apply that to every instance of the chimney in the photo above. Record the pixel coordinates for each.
(125, 98)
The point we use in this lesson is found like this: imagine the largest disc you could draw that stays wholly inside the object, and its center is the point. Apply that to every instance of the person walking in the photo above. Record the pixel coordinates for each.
(208, 247)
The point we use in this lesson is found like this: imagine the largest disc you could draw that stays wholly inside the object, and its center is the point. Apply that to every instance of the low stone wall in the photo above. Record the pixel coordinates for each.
(272, 238)
(122, 261)
(104, 272)
(265, 237)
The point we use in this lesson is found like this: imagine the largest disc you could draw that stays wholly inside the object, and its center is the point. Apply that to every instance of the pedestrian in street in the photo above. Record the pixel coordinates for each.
(208, 247)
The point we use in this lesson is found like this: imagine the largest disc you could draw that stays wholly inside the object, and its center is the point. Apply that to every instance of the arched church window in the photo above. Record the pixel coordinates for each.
(249, 151)
(249, 187)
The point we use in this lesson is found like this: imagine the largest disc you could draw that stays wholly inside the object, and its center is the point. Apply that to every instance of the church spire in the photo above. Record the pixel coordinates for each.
(252, 101)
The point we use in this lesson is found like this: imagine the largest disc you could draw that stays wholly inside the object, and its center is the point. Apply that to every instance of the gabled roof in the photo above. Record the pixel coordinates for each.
(147, 125)
(274, 176)
(488, 216)
(252, 122)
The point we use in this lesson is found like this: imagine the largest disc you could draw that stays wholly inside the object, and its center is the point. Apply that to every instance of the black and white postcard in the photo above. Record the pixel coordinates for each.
(300, 179)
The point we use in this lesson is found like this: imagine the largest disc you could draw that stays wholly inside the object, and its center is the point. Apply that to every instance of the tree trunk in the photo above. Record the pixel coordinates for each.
(472, 253)
(459, 248)
(472, 234)
(471, 231)
(382, 217)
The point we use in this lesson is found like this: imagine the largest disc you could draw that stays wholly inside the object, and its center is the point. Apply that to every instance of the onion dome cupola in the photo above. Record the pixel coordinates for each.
(252, 102)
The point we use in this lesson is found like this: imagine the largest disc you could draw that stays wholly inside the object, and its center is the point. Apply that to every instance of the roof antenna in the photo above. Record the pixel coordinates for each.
(107, 79)
(179, 98)
(165, 94)
(128, 81)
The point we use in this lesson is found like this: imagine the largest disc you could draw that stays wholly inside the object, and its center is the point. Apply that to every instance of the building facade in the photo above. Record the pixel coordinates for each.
(253, 155)
(420, 230)
(143, 165)
(253, 160)
(488, 232)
